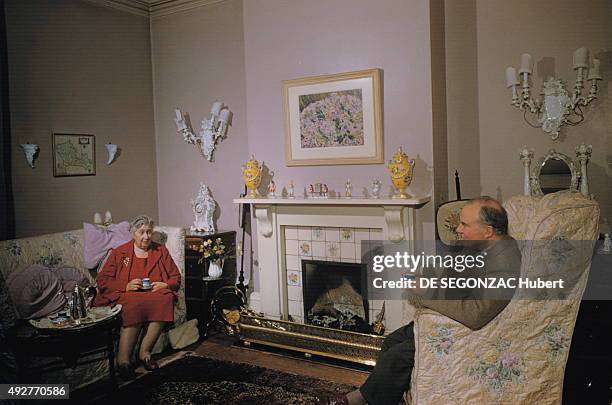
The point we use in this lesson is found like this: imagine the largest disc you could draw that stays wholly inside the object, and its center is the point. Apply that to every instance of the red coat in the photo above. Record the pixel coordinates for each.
(139, 306)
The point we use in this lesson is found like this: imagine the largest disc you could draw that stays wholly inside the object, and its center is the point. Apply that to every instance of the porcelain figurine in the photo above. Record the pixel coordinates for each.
(400, 169)
(291, 190)
(204, 207)
(251, 172)
(272, 189)
(348, 189)
(376, 186)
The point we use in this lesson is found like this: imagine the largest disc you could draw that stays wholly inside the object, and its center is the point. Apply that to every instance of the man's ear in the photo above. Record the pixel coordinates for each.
(489, 231)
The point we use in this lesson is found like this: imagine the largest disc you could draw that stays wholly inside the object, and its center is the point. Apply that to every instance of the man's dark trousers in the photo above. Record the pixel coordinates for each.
(391, 376)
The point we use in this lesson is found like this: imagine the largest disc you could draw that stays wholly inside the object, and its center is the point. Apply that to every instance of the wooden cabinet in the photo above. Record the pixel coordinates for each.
(199, 292)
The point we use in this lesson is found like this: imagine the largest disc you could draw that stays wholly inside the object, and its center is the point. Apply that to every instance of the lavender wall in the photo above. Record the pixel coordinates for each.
(288, 40)
(198, 57)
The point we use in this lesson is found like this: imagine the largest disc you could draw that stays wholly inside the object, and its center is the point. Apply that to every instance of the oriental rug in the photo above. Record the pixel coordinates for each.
(200, 380)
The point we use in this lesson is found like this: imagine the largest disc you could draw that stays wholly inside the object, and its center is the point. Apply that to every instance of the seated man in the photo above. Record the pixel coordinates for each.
(484, 223)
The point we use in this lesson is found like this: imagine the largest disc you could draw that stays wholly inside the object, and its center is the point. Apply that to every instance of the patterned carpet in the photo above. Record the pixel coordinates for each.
(199, 380)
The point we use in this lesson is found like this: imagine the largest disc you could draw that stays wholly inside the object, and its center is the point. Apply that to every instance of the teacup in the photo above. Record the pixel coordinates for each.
(146, 283)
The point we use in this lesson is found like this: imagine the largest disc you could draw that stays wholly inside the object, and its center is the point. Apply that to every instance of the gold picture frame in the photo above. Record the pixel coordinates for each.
(74, 155)
(334, 119)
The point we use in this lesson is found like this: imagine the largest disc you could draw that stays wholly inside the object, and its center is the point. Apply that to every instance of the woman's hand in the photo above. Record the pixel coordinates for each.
(158, 285)
(134, 285)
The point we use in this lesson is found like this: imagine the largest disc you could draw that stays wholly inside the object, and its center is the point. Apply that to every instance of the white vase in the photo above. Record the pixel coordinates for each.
(215, 269)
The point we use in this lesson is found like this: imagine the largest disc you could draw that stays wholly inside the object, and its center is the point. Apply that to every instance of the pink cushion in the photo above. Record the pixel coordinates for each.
(99, 240)
(35, 291)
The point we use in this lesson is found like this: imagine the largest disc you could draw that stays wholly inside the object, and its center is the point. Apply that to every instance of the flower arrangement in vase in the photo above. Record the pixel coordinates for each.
(216, 253)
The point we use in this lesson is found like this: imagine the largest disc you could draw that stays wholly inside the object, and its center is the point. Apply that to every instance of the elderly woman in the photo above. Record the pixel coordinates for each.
(121, 281)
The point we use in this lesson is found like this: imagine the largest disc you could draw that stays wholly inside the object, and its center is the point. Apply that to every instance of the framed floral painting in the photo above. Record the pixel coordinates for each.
(334, 119)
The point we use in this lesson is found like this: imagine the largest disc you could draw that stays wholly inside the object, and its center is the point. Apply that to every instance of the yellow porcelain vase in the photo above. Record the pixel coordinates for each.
(400, 169)
(251, 173)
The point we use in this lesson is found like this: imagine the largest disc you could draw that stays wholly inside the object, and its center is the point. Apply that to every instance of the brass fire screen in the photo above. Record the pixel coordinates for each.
(335, 343)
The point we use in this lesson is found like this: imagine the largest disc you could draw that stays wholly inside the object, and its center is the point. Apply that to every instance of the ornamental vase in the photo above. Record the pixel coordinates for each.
(400, 169)
(251, 173)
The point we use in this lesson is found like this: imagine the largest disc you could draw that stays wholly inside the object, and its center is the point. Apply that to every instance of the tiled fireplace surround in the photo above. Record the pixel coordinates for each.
(291, 230)
(326, 244)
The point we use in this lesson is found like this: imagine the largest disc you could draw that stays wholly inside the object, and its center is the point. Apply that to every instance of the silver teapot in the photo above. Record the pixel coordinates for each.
(78, 309)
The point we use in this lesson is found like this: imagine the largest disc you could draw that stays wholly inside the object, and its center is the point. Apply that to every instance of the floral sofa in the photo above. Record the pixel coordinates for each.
(520, 356)
(66, 248)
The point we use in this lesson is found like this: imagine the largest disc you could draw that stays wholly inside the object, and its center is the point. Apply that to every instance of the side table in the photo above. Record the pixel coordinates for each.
(97, 340)
(199, 289)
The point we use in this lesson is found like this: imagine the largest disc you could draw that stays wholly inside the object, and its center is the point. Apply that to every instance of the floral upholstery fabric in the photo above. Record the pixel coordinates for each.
(520, 356)
(447, 220)
(66, 249)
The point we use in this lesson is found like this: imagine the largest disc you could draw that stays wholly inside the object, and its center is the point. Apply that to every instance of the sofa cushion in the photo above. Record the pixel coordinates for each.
(70, 276)
(36, 291)
(99, 240)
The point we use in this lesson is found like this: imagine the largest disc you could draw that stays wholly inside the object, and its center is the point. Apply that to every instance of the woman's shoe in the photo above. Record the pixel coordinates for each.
(149, 364)
(126, 373)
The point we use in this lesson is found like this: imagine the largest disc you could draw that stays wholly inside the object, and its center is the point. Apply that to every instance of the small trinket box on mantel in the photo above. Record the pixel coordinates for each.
(318, 190)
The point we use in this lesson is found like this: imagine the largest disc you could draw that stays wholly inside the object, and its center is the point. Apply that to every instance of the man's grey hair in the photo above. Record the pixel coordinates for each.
(139, 221)
(492, 213)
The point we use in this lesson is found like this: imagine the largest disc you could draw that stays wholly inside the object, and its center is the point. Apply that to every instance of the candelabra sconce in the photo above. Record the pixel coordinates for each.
(557, 107)
(213, 129)
(113, 152)
(30, 150)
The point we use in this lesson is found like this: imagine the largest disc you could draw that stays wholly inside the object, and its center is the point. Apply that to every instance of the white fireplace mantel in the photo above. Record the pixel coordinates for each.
(392, 211)
(394, 217)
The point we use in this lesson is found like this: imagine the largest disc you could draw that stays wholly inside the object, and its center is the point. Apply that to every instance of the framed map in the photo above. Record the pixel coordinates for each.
(74, 155)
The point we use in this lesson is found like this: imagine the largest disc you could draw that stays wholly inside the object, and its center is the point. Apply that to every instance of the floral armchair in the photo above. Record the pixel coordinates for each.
(520, 356)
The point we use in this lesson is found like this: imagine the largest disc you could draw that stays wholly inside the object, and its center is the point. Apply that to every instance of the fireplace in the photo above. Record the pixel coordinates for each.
(294, 231)
(335, 295)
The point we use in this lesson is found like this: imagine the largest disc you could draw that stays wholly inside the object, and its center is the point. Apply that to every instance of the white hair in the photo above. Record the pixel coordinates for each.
(139, 221)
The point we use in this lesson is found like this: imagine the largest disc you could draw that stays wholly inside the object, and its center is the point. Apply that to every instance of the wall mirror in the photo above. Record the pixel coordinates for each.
(556, 107)
(554, 172)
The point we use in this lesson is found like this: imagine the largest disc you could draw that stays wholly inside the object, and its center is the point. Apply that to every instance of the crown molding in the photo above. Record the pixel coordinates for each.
(162, 8)
(138, 7)
(154, 8)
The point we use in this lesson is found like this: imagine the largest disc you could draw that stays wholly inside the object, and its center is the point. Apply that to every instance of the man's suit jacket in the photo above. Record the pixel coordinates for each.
(476, 308)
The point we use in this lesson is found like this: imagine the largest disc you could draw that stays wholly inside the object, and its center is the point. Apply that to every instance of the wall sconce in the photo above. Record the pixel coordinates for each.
(557, 108)
(113, 152)
(30, 150)
(213, 129)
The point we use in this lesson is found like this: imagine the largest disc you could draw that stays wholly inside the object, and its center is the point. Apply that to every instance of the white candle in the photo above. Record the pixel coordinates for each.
(594, 73)
(216, 107)
(526, 64)
(224, 115)
(581, 55)
(180, 124)
(511, 79)
(179, 115)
